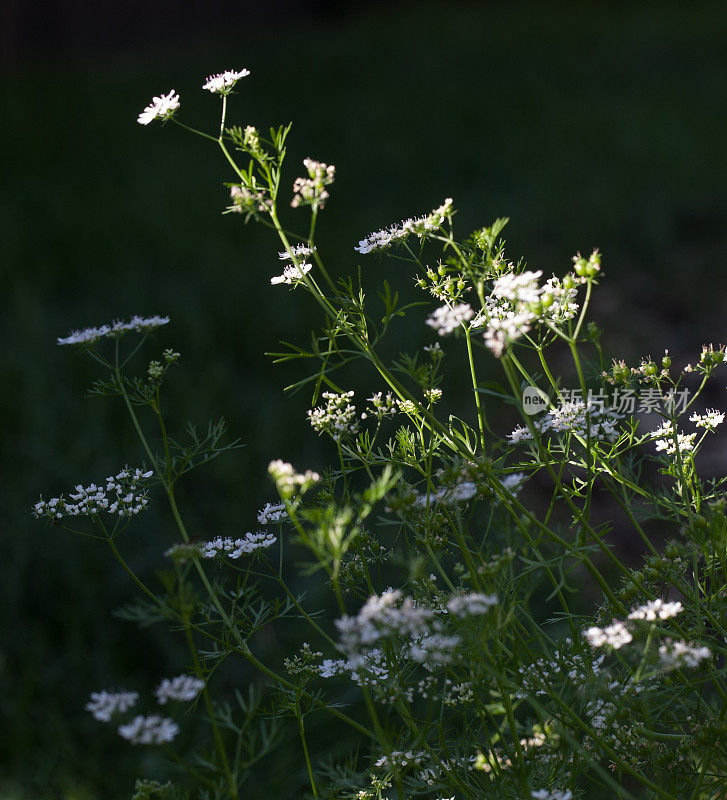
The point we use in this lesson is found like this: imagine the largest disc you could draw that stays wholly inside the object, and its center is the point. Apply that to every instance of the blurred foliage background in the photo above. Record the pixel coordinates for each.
(599, 125)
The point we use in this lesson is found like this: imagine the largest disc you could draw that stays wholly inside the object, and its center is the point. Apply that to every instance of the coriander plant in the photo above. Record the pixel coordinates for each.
(468, 625)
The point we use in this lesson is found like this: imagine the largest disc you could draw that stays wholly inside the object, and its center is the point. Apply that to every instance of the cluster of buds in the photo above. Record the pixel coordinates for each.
(250, 200)
(290, 482)
(587, 267)
(441, 284)
(382, 405)
(251, 141)
(156, 369)
(311, 191)
(647, 372)
(710, 358)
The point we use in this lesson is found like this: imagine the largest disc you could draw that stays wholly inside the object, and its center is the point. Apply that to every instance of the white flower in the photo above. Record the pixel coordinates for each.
(234, 548)
(183, 687)
(408, 407)
(381, 616)
(121, 496)
(383, 405)
(522, 288)
(673, 655)
(289, 481)
(149, 730)
(503, 330)
(521, 433)
(292, 273)
(458, 493)
(584, 420)
(224, 81)
(273, 512)
(420, 226)
(445, 319)
(311, 191)
(513, 482)
(103, 705)
(559, 303)
(337, 417)
(249, 200)
(136, 324)
(434, 648)
(553, 794)
(656, 609)
(297, 251)
(709, 421)
(685, 443)
(468, 605)
(163, 107)
(615, 635)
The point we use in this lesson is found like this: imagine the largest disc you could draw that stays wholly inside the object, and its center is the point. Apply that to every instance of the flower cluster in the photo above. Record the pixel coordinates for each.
(657, 609)
(552, 794)
(709, 420)
(459, 493)
(382, 405)
(272, 512)
(587, 420)
(684, 442)
(162, 107)
(292, 273)
(249, 200)
(183, 688)
(472, 604)
(419, 630)
(103, 705)
(224, 82)
(311, 191)
(381, 616)
(517, 301)
(136, 324)
(380, 240)
(149, 730)
(234, 548)
(674, 655)
(152, 729)
(337, 418)
(289, 481)
(615, 635)
(296, 252)
(122, 496)
(447, 318)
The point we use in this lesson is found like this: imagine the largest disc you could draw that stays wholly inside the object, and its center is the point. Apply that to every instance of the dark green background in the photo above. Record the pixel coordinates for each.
(593, 127)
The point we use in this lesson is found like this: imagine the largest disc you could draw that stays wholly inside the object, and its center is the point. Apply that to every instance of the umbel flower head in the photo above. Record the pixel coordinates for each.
(123, 495)
(311, 191)
(162, 107)
(183, 688)
(224, 82)
(149, 730)
(136, 324)
(103, 705)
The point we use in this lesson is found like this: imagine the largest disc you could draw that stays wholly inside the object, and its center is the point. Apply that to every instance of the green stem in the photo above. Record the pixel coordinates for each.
(301, 730)
(482, 421)
(210, 709)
